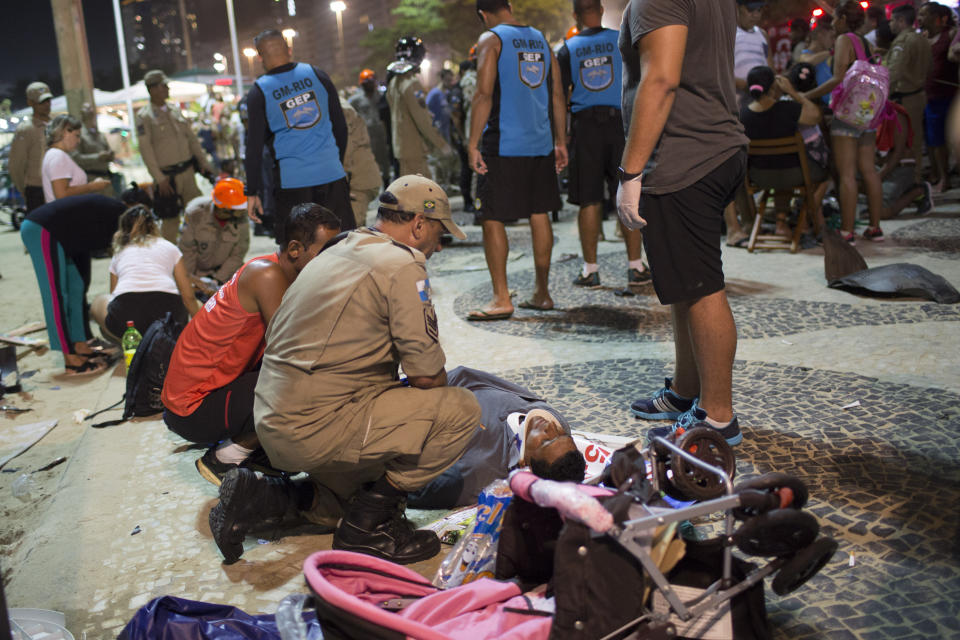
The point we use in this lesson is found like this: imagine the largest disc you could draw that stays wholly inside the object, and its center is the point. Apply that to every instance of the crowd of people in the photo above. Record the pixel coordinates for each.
(291, 362)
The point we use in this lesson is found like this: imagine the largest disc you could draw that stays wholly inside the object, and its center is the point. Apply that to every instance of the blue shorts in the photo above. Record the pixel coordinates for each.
(935, 121)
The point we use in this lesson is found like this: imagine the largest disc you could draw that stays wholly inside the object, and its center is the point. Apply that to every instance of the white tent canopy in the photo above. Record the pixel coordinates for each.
(179, 92)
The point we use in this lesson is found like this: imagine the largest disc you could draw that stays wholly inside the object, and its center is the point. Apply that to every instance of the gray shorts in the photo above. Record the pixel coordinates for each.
(838, 128)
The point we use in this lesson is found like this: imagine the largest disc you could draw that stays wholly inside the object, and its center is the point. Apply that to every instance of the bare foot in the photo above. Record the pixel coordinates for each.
(538, 304)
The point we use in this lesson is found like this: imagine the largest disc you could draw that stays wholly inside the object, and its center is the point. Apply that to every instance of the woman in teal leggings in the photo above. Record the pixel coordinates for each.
(59, 237)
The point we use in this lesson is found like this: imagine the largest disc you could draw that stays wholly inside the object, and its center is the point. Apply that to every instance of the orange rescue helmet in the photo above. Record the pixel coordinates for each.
(367, 74)
(572, 31)
(228, 194)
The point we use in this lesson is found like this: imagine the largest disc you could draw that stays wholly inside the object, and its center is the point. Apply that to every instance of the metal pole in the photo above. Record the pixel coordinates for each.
(186, 35)
(236, 49)
(124, 71)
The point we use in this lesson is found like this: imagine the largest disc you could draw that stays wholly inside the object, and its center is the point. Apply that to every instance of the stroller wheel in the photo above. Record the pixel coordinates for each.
(803, 566)
(773, 482)
(780, 532)
(708, 445)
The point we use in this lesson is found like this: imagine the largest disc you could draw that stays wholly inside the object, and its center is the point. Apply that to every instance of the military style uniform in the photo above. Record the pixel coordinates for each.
(209, 248)
(168, 146)
(370, 112)
(26, 159)
(328, 400)
(87, 155)
(411, 122)
(360, 165)
(909, 60)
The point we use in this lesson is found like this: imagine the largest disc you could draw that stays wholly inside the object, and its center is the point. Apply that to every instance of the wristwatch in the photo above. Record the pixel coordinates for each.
(627, 177)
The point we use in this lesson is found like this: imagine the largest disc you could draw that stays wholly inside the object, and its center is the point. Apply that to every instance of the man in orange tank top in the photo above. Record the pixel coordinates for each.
(208, 391)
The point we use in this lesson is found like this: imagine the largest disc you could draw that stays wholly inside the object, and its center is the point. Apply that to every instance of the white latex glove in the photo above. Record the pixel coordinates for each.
(628, 204)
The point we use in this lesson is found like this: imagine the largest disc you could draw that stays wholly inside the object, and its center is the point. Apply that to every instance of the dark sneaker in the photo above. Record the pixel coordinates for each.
(925, 203)
(258, 461)
(592, 280)
(211, 468)
(664, 405)
(694, 418)
(376, 525)
(873, 234)
(849, 238)
(248, 501)
(637, 278)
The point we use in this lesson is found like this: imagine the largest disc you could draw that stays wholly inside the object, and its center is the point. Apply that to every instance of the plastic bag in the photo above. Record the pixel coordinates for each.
(475, 555)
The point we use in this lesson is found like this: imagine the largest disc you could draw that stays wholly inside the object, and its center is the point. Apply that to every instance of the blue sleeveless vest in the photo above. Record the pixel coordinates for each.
(519, 123)
(595, 68)
(303, 143)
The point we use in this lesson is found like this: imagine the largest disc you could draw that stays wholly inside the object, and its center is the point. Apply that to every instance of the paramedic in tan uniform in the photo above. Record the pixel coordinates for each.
(411, 123)
(360, 164)
(329, 400)
(168, 146)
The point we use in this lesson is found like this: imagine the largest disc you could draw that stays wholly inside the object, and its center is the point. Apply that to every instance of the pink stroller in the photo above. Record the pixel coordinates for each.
(604, 563)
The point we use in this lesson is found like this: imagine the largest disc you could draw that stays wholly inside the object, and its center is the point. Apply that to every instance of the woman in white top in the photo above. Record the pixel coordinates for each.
(61, 176)
(147, 278)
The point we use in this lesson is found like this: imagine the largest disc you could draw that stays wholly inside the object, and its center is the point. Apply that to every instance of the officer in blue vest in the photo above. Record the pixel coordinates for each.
(294, 111)
(516, 147)
(590, 65)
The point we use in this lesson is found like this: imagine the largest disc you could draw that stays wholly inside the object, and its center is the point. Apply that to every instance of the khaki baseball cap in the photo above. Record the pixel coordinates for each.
(38, 92)
(154, 77)
(416, 194)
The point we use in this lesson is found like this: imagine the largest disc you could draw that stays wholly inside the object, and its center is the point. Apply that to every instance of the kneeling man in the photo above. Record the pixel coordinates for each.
(208, 390)
(329, 401)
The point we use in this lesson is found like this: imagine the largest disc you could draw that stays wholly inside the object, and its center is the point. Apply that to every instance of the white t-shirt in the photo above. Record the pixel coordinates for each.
(57, 164)
(146, 267)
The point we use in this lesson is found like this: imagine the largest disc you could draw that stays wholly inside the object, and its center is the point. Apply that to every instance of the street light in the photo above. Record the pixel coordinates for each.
(338, 7)
(251, 53)
(220, 64)
(289, 35)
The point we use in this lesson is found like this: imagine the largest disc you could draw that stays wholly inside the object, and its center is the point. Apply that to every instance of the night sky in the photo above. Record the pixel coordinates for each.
(30, 46)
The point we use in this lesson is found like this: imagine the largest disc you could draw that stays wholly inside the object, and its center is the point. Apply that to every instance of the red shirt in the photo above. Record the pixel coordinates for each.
(220, 343)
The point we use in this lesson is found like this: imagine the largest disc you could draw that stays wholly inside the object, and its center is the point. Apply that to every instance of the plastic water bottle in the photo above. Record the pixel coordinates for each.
(130, 341)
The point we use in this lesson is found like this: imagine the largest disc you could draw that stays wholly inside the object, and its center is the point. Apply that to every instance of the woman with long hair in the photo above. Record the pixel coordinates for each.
(853, 148)
(147, 277)
(61, 176)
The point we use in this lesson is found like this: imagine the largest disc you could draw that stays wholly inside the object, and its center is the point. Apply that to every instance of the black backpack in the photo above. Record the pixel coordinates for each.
(147, 371)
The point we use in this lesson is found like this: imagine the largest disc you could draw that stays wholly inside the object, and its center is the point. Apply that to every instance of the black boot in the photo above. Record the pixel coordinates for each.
(375, 524)
(251, 501)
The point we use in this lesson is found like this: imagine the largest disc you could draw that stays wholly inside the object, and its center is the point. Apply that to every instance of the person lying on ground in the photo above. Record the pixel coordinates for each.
(208, 390)
(518, 429)
(329, 400)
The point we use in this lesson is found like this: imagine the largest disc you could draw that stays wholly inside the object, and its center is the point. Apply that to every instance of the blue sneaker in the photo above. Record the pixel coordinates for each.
(664, 405)
(697, 417)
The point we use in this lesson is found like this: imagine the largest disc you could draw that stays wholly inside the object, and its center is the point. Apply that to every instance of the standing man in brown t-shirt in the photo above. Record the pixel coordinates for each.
(329, 400)
(682, 163)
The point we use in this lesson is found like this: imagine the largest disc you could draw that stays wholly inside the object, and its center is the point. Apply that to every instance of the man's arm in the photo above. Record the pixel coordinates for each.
(559, 96)
(237, 253)
(188, 243)
(429, 382)
(253, 161)
(17, 165)
(661, 62)
(337, 120)
(145, 140)
(566, 75)
(488, 51)
(261, 287)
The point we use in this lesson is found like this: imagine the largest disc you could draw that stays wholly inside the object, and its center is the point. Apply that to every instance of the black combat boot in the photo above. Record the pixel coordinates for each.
(251, 501)
(375, 524)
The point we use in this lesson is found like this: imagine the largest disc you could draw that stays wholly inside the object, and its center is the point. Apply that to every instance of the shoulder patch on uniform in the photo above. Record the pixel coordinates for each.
(423, 289)
(430, 324)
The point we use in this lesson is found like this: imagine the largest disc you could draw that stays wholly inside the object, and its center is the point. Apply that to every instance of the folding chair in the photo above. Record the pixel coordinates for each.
(777, 147)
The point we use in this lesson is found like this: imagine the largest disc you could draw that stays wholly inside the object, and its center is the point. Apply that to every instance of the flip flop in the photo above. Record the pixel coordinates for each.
(479, 315)
(741, 243)
(530, 304)
(89, 367)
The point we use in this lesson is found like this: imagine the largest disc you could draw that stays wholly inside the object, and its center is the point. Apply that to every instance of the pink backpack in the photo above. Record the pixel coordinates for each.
(860, 99)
